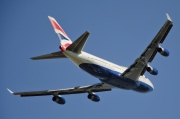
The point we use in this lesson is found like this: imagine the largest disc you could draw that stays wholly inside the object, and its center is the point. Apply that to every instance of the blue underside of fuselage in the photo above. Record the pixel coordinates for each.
(113, 78)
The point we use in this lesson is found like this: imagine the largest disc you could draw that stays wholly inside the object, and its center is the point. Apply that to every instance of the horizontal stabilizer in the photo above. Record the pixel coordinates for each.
(78, 45)
(53, 55)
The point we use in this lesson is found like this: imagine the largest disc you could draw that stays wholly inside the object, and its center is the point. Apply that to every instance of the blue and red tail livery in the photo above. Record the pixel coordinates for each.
(58, 29)
(65, 41)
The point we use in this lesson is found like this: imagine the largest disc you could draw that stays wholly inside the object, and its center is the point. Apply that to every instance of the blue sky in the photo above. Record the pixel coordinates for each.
(120, 31)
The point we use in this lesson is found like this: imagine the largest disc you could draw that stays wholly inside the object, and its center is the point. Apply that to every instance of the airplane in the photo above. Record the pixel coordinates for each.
(110, 75)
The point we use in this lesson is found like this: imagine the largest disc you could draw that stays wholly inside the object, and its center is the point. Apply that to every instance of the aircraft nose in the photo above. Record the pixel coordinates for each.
(151, 85)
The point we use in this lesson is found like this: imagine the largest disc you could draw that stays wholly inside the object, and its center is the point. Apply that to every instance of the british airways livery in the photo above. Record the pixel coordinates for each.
(110, 75)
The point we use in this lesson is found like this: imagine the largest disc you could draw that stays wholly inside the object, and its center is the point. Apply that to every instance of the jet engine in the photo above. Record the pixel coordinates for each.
(152, 70)
(163, 51)
(94, 97)
(59, 100)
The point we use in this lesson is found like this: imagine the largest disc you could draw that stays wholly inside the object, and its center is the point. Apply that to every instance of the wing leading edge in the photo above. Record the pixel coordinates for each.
(53, 55)
(139, 67)
(99, 87)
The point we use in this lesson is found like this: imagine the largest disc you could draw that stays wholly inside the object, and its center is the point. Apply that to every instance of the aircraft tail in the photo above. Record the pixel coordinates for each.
(65, 41)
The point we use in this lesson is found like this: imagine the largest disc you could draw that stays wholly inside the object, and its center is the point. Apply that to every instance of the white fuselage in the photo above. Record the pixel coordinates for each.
(108, 72)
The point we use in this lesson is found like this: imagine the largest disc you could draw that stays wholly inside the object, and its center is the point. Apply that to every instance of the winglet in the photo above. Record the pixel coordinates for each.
(168, 17)
(10, 91)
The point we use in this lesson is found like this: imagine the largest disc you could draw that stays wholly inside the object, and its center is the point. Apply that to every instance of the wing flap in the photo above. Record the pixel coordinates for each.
(53, 55)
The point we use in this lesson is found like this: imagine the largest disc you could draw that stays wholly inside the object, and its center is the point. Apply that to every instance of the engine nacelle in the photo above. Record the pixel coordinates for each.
(152, 70)
(59, 100)
(94, 97)
(163, 51)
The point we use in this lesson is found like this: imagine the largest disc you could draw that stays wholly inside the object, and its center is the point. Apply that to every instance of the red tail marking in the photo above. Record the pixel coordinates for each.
(56, 26)
(63, 47)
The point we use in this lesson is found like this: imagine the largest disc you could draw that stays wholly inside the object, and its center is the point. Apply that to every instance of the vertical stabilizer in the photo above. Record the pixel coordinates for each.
(65, 41)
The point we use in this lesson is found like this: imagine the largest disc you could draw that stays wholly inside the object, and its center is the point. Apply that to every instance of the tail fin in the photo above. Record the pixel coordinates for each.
(65, 41)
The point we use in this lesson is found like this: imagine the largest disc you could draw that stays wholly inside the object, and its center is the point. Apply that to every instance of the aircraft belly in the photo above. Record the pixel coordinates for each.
(109, 76)
(122, 83)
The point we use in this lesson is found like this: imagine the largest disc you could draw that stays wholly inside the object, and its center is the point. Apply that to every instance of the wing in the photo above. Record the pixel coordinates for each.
(58, 54)
(99, 87)
(138, 68)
